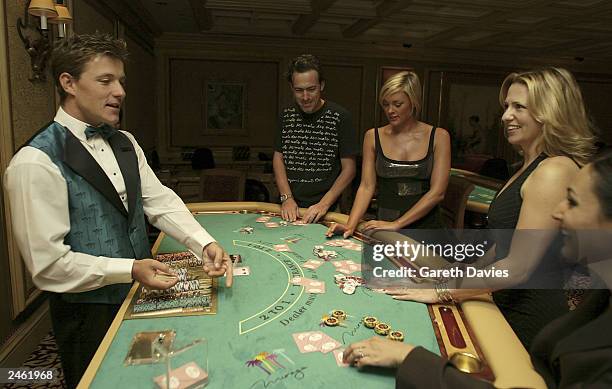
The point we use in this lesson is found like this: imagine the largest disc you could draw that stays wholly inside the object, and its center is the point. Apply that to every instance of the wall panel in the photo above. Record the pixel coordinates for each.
(187, 82)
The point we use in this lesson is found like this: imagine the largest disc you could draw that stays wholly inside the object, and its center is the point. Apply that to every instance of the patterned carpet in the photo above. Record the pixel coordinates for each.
(44, 357)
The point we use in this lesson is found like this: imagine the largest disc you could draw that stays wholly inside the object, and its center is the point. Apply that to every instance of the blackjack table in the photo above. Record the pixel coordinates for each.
(253, 339)
(485, 189)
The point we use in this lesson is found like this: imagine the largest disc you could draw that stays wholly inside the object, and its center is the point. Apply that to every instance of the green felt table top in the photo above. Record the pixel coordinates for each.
(262, 311)
(482, 195)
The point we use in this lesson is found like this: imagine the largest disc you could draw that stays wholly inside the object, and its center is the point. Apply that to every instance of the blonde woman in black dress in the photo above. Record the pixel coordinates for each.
(407, 159)
(544, 117)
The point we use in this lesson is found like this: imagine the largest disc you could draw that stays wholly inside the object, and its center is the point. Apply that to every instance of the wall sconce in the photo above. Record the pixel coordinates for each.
(37, 41)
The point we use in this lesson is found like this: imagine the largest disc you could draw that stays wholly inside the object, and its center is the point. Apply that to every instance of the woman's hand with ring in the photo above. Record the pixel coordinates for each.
(376, 351)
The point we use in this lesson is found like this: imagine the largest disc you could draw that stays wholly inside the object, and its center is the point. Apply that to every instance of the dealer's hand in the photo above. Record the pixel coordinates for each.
(314, 213)
(289, 210)
(153, 274)
(377, 351)
(217, 263)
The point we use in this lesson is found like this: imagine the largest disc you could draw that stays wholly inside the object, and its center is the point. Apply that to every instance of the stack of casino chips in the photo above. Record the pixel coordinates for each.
(325, 255)
(160, 304)
(382, 329)
(336, 318)
(348, 284)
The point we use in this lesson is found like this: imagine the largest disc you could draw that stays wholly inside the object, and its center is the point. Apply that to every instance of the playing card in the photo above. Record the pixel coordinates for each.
(262, 219)
(271, 224)
(308, 342)
(298, 223)
(292, 239)
(347, 266)
(338, 355)
(186, 376)
(242, 271)
(235, 258)
(281, 247)
(312, 264)
(333, 243)
(355, 267)
(354, 247)
(328, 344)
(313, 286)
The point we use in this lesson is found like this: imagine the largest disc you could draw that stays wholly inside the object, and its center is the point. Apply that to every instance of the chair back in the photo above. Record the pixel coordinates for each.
(222, 185)
(495, 168)
(256, 191)
(202, 159)
(455, 201)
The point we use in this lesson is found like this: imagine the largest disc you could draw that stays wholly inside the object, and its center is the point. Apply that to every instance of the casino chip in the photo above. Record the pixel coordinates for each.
(382, 329)
(326, 255)
(370, 321)
(339, 314)
(397, 336)
(332, 322)
(348, 284)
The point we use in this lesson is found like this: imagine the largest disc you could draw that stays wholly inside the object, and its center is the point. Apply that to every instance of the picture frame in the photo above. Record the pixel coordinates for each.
(225, 108)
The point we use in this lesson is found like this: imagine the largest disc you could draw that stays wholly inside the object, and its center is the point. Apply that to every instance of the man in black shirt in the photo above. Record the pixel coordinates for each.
(314, 157)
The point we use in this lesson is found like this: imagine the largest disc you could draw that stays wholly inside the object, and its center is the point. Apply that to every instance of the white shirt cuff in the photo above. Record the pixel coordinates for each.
(119, 270)
(198, 241)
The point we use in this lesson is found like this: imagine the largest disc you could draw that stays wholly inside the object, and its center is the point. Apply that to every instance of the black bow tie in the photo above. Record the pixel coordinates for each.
(105, 131)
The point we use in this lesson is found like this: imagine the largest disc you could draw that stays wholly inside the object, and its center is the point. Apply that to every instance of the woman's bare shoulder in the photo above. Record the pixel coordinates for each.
(552, 171)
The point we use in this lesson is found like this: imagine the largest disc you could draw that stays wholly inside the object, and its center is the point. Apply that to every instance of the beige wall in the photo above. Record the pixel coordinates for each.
(88, 20)
(30, 106)
(139, 113)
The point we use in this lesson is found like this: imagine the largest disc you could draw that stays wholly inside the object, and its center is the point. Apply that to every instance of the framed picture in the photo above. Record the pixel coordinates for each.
(225, 108)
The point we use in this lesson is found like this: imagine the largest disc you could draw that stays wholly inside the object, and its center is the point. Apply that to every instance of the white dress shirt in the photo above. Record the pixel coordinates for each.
(38, 201)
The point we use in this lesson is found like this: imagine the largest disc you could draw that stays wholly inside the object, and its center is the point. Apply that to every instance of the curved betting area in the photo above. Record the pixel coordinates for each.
(243, 327)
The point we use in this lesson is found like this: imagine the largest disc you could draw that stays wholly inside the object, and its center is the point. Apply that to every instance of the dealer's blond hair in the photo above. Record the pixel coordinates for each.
(554, 99)
(407, 82)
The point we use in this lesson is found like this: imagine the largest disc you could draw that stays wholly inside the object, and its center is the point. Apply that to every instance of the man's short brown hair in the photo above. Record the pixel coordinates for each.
(70, 55)
(302, 64)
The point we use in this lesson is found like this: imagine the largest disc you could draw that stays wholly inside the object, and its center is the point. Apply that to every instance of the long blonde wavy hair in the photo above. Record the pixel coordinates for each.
(554, 99)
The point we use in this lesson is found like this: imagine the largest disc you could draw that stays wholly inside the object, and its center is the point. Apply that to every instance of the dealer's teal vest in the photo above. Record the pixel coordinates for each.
(99, 223)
